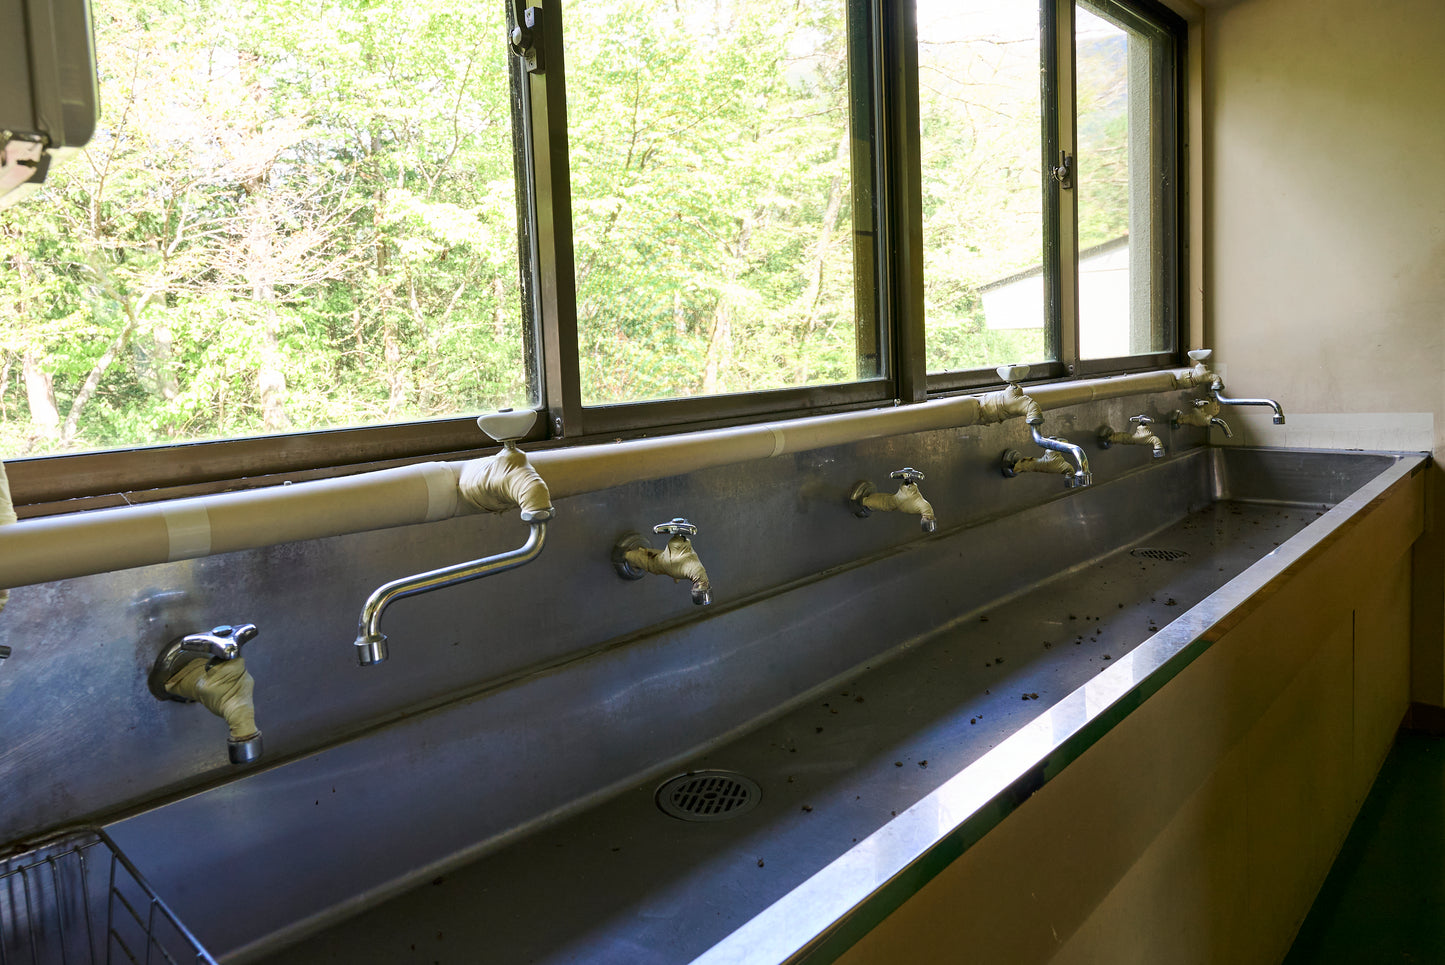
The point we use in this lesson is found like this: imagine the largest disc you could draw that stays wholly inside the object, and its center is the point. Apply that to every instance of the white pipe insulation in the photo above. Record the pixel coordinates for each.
(7, 516)
(60, 547)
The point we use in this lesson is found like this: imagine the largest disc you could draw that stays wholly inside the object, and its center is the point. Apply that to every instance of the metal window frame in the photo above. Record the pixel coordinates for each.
(550, 190)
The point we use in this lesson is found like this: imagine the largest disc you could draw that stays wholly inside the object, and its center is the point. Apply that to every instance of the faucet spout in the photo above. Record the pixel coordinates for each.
(1222, 426)
(371, 646)
(1081, 475)
(498, 483)
(1217, 390)
(1060, 457)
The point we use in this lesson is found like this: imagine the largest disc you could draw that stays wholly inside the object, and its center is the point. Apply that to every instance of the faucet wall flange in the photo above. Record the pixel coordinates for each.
(1008, 460)
(862, 490)
(631, 541)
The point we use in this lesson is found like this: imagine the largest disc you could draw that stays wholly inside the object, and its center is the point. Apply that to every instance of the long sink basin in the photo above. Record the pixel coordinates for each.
(881, 717)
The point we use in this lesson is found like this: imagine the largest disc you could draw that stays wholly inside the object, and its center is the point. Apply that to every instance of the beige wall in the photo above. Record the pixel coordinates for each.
(1324, 274)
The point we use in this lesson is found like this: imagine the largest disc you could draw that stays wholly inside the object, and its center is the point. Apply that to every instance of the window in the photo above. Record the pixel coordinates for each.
(331, 234)
(712, 193)
(982, 150)
(1049, 184)
(709, 251)
(1125, 175)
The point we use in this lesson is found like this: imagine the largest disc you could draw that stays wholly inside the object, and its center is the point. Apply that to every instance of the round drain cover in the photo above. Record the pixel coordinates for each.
(708, 796)
(1150, 553)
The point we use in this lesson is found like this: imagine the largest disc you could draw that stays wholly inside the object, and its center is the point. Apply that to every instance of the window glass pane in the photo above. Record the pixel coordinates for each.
(713, 198)
(1121, 242)
(983, 218)
(292, 216)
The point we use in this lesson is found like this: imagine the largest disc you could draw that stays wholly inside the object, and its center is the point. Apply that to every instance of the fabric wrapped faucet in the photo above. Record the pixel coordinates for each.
(207, 668)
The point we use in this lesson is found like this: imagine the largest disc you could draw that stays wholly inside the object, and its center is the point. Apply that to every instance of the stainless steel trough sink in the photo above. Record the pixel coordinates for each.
(890, 713)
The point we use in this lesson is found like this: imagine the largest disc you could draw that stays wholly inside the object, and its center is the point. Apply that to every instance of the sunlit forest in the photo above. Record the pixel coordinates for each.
(303, 213)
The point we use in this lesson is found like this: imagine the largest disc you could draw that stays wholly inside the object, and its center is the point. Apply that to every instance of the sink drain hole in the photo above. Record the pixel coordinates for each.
(1151, 553)
(708, 796)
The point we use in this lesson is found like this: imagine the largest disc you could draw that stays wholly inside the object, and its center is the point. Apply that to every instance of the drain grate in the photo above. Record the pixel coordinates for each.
(1150, 553)
(708, 796)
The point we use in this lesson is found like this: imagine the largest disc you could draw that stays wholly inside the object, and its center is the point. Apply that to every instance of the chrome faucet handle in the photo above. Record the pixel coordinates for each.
(1141, 420)
(1012, 373)
(676, 527)
(908, 474)
(221, 643)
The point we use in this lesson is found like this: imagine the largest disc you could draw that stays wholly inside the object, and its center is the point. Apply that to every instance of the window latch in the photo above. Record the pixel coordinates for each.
(525, 37)
(1064, 173)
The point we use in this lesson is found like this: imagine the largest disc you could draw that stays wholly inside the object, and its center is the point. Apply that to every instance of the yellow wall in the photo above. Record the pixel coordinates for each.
(1325, 236)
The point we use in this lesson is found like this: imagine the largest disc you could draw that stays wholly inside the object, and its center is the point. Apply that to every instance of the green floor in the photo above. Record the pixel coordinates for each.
(1384, 899)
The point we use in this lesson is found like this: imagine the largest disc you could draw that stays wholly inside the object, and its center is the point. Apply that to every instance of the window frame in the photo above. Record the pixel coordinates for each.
(1060, 258)
(62, 482)
(548, 189)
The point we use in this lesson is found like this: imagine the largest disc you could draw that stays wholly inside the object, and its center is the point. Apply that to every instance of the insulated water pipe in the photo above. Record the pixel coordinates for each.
(7, 516)
(68, 545)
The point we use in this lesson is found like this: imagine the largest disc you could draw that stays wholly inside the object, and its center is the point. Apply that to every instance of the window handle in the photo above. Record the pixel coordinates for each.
(1064, 173)
(525, 37)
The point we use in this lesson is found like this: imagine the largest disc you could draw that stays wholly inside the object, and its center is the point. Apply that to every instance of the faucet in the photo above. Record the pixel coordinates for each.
(1216, 388)
(633, 558)
(1012, 401)
(1206, 411)
(500, 482)
(1053, 460)
(208, 668)
(1141, 436)
(864, 499)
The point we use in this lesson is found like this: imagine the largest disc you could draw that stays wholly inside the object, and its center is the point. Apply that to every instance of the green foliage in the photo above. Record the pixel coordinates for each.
(302, 215)
(292, 216)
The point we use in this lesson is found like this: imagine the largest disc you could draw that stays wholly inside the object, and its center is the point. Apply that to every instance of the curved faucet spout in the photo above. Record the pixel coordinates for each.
(371, 642)
(1081, 476)
(1218, 391)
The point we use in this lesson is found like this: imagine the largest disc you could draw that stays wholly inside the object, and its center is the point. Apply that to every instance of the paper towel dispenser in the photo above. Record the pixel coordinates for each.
(48, 96)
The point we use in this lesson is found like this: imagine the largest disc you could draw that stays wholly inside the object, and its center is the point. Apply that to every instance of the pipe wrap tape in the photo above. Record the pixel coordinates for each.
(780, 441)
(188, 531)
(441, 491)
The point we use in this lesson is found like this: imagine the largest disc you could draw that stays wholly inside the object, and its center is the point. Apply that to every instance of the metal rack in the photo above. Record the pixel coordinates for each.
(77, 899)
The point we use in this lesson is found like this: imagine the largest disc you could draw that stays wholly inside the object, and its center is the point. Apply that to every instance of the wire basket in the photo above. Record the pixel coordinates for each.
(77, 899)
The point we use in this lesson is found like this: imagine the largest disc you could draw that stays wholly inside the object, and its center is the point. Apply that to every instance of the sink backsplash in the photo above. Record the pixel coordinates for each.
(84, 740)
